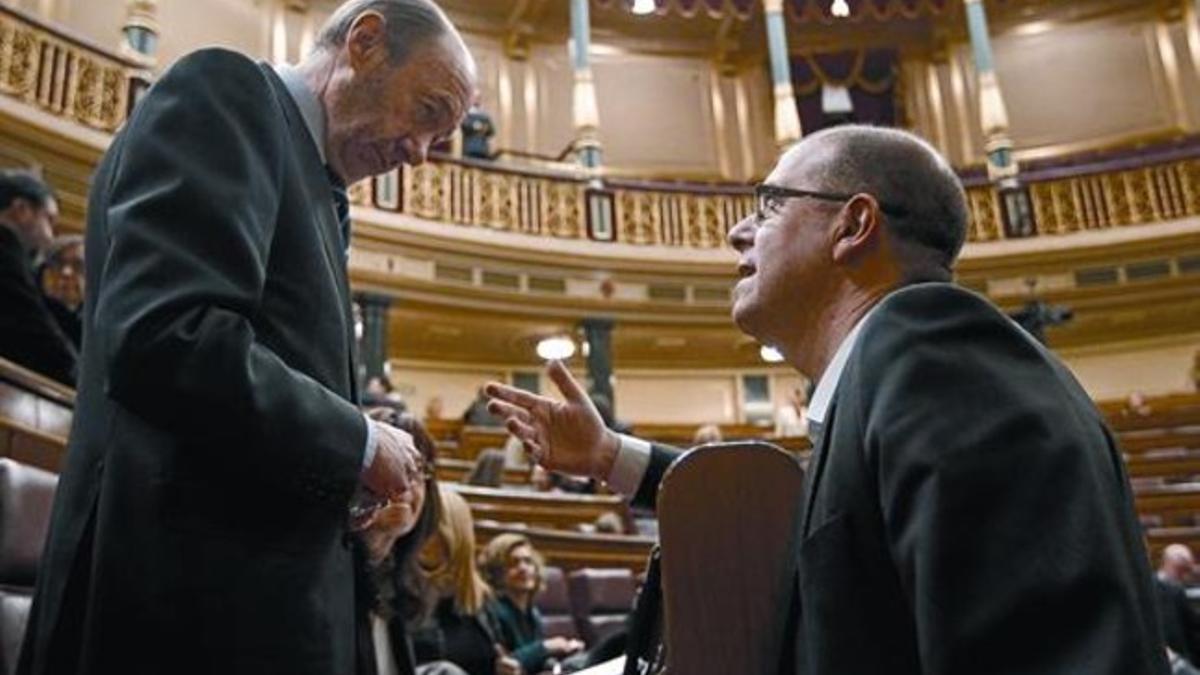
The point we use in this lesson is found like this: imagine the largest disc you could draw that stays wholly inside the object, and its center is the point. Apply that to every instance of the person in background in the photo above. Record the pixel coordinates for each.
(512, 566)
(435, 409)
(1181, 624)
(792, 417)
(708, 433)
(477, 130)
(61, 280)
(477, 415)
(1137, 405)
(459, 628)
(30, 336)
(387, 544)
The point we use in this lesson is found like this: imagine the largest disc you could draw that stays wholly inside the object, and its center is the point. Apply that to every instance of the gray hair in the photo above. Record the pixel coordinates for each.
(900, 169)
(410, 23)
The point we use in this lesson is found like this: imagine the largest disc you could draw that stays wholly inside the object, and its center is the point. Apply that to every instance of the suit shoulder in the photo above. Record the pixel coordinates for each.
(213, 61)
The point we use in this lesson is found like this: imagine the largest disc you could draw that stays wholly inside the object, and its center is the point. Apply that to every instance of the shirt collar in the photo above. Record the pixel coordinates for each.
(827, 385)
(311, 110)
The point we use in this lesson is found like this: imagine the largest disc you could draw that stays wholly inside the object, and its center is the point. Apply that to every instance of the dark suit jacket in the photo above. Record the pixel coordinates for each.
(967, 510)
(29, 334)
(200, 518)
(1181, 625)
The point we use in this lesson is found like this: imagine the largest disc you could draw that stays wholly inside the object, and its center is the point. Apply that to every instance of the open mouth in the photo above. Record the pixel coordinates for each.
(745, 270)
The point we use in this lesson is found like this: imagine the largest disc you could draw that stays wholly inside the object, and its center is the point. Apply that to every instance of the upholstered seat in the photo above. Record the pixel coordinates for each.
(26, 496)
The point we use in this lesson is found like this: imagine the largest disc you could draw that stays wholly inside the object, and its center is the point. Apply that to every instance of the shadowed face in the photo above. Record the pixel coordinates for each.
(381, 115)
(34, 223)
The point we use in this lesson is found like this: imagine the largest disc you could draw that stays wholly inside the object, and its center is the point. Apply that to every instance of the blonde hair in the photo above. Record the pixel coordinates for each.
(494, 559)
(456, 570)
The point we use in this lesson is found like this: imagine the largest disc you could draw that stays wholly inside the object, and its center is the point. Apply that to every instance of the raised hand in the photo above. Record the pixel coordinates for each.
(566, 435)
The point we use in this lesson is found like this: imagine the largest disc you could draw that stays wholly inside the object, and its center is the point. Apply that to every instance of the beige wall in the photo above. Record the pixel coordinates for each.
(1161, 367)
(1066, 87)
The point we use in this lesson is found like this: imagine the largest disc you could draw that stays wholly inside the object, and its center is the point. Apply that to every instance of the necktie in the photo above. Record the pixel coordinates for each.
(341, 206)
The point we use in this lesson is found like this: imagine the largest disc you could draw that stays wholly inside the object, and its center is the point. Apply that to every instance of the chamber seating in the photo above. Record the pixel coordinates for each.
(602, 599)
(554, 602)
(26, 496)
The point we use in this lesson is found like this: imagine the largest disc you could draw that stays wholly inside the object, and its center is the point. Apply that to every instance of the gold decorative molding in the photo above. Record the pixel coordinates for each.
(61, 76)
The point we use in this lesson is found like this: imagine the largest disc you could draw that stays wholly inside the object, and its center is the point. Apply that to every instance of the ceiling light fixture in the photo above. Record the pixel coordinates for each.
(770, 354)
(558, 347)
(840, 9)
(643, 7)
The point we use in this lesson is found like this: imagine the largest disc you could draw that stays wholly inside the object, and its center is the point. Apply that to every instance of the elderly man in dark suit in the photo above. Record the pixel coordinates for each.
(29, 334)
(200, 524)
(966, 509)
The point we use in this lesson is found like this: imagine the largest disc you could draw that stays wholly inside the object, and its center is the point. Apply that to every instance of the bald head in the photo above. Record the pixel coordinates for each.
(922, 199)
(1177, 562)
(410, 24)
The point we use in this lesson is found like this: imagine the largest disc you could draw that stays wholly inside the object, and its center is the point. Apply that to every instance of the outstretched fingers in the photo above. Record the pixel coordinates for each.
(519, 397)
(566, 383)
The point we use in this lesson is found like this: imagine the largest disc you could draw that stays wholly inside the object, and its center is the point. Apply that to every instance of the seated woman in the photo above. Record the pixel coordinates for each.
(459, 630)
(389, 537)
(514, 569)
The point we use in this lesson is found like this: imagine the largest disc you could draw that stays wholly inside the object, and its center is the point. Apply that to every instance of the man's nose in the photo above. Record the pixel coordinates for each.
(741, 237)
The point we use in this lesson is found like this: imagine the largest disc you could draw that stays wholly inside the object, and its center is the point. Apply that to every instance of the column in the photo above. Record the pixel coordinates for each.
(1015, 207)
(598, 334)
(374, 350)
(787, 118)
(587, 115)
(993, 115)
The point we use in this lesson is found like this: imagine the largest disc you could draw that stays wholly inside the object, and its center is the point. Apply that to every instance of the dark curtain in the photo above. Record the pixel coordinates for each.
(870, 76)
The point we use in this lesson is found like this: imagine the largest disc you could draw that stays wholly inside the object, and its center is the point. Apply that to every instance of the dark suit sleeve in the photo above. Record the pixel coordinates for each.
(31, 337)
(192, 208)
(661, 457)
(1007, 514)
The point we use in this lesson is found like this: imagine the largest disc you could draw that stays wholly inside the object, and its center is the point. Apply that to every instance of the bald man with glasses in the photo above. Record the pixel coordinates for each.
(966, 510)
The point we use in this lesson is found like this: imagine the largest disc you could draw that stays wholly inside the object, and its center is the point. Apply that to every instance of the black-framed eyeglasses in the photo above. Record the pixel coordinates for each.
(769, 198)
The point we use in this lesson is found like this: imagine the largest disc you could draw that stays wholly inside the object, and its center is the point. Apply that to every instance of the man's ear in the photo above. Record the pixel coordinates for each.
(858, 228)
(366, 41)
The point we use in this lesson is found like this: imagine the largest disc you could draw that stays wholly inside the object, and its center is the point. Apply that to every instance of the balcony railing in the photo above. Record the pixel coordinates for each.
(1139, 188)
(65, 75)
(71, 78)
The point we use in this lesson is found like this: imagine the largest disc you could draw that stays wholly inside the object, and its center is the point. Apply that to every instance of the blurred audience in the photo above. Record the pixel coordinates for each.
(515, 570)
(708, 433)
(488, 470)
(30, 335)
(792, 417)
(1180, 623)
(477, 131)
(61, 280)
(435, 409)
(460, 628)
(477, 415)
(1137, 405)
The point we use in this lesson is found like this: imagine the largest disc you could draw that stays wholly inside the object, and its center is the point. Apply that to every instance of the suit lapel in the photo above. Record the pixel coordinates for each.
(816, 467)
(328, 227)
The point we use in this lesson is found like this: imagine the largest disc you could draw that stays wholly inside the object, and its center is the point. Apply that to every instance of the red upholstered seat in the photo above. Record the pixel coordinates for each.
(555, 605)
(26, 495)
(601, 599)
